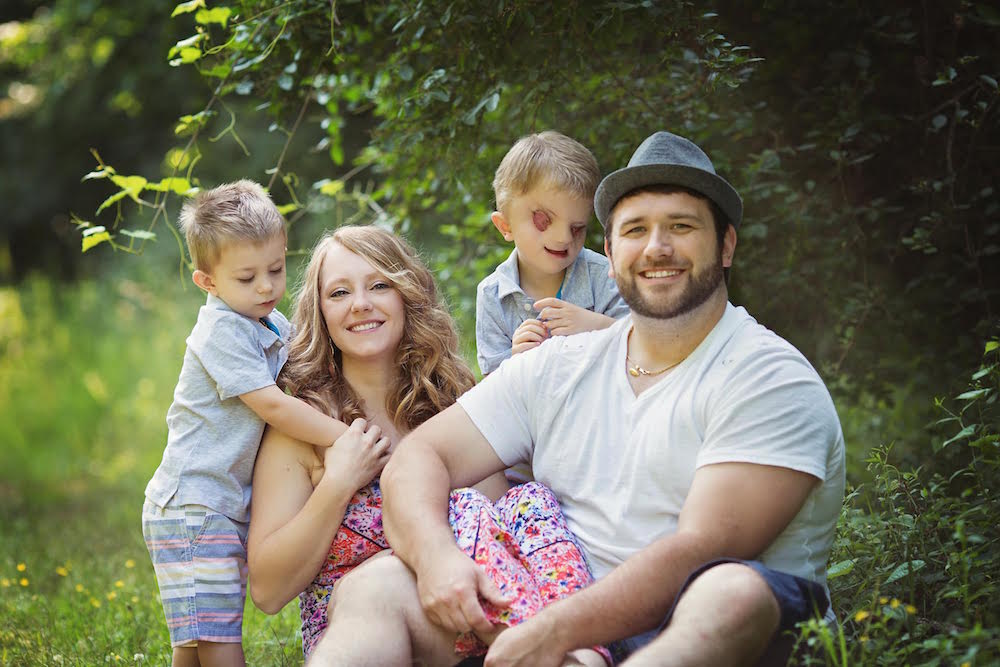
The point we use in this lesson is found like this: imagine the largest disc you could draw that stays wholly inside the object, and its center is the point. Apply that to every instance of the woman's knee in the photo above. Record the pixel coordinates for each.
(382, 580)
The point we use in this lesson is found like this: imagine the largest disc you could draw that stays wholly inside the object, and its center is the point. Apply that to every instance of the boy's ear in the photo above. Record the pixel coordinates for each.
(502, 225)
(204, 281)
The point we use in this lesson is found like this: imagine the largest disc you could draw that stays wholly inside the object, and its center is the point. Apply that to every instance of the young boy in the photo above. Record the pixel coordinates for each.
(196, 511)
(550, 285)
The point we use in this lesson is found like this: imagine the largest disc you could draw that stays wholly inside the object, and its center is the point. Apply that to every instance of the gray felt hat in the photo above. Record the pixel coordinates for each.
(666, 159)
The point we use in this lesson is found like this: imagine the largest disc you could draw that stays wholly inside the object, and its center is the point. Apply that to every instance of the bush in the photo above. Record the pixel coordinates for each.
(915, 566)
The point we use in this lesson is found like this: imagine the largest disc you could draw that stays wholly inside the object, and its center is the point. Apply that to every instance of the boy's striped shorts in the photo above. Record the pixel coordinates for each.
(200, 560)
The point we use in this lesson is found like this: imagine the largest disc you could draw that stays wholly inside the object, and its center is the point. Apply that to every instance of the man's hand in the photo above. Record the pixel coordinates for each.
(449, 593)
(533, 643)
(530, 334)
(563, 318)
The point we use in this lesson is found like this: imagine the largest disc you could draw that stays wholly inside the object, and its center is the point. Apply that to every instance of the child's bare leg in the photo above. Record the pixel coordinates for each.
(218, 654)
(185, 656)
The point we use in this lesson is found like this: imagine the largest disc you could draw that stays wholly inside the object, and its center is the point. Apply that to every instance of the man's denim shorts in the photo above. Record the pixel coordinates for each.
(799, 599)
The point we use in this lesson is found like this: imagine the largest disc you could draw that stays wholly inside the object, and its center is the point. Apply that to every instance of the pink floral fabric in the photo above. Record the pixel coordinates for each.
(360, 537)
(524, 544)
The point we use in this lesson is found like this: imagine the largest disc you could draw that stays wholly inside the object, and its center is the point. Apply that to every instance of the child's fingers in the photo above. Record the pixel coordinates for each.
(547, 302)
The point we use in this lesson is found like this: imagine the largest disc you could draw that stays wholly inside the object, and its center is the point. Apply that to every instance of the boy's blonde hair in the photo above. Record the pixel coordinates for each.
(548, 157)
(240, 211)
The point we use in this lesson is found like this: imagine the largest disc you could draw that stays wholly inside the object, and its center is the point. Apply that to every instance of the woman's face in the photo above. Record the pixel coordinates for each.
(364, 313)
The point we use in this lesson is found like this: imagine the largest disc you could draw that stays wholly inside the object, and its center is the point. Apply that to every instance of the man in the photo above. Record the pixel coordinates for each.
(698, 458)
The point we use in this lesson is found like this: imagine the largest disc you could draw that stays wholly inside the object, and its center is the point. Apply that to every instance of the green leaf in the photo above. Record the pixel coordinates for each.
(964, 433)
(990, 346)
(100, 173)
(218, 15)
(173, 184)
(285, 209)
(121, 194)
(139, 234)
(988, 80)
(94, 236)
(841, 568)
(186, 7)
(330, 188)
(975, 393)
(131, 185)
(904, 569)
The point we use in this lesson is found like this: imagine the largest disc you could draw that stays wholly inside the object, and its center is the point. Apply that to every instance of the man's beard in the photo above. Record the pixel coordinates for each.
(697, 292)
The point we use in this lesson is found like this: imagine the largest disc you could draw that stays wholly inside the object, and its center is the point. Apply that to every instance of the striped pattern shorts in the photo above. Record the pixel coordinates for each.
(200, 560)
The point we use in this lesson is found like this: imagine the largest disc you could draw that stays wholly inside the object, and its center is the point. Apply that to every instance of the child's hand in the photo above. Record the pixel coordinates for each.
(563, 318)
(357, 457)
(530, 334)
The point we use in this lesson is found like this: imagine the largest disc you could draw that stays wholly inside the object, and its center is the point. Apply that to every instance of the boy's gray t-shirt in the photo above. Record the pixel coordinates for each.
(213, 436)
(501, 304)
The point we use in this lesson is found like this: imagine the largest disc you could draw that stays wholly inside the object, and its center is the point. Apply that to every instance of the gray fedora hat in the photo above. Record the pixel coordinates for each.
(667, 159)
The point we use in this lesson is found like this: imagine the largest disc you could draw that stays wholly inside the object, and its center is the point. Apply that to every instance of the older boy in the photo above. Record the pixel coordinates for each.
(197, 504)
(550, 285)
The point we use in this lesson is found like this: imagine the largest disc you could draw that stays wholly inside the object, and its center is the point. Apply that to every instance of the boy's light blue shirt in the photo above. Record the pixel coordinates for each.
(213, 436)
(501, 304)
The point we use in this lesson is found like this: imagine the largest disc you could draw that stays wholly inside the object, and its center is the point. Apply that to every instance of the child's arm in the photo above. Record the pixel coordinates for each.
(293, 416)
(563, 318)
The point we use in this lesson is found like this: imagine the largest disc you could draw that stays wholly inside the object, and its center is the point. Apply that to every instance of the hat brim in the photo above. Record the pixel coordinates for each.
(618, 183)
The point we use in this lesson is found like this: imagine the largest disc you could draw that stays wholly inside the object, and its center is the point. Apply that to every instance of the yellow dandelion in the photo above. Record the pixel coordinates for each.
(79, 588)
(135, 599)
(864, 639)
(967, 664)
(21, 567)
(95, 603)
(5, 582)
(910, 609)
(861, 615)
(112, 595)
(883, 600)
(130, 563)
(24, 581)
(895, 603)
(119, 584)
(62, 572)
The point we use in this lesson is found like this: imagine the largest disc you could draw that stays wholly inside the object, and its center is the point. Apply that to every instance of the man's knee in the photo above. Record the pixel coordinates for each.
(738, 592)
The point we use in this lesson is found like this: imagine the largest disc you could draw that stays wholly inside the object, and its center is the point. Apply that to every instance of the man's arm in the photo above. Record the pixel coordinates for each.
(732, 510)
(445, 452)
(293, 416)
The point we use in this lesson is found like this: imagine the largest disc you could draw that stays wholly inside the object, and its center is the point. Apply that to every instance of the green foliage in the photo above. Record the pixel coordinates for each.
(916, 566)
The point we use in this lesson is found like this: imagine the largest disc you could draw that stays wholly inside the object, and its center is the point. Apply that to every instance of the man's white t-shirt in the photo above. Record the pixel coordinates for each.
(621, 465)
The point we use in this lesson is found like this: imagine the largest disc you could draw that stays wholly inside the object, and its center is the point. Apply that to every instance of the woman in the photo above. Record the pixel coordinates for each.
(375, 348)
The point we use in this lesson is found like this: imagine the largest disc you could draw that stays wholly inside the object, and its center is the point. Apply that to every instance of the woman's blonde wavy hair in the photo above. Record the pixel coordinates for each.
(431, 374)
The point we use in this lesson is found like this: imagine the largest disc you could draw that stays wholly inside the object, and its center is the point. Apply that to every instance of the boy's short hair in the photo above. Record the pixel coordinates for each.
(547, 157)
(240, 211)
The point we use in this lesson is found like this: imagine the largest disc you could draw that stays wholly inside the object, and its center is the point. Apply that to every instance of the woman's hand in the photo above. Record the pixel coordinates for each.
(356, 457)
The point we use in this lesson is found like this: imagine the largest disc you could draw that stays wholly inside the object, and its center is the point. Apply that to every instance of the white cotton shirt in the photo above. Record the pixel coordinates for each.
(622, 465)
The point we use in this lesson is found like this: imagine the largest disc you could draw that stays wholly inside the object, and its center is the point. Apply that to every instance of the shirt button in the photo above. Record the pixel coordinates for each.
(527, 307)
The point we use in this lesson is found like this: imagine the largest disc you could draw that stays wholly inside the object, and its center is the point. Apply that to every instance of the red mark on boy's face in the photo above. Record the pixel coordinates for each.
(541, 220)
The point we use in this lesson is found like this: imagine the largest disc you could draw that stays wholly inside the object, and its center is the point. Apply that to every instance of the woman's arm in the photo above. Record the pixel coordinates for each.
(291, 523)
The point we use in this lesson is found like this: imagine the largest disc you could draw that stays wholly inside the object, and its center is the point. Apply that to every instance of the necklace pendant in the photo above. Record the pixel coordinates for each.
(633, 371)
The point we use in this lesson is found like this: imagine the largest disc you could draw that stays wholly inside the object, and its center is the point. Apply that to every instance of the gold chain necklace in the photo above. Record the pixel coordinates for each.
(634, 369)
